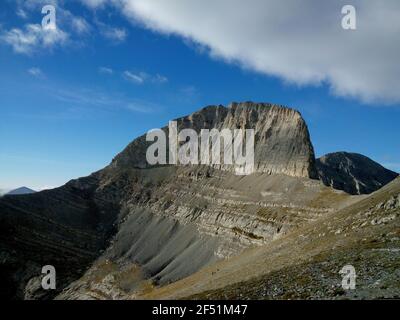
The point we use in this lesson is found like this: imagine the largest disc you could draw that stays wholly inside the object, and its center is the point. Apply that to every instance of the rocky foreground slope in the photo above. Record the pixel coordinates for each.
(305, 264)
(130, 228)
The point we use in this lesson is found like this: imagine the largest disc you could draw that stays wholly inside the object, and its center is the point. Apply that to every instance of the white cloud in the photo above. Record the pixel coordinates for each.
(133, 77)
(94, 3)
(89, 98)
(36, 72)
(142, 77)
(158, 78)
(21, 13)
(33, 37)
(114, 34)
(79, 25)
(34, 4)
(69, 25)
(106, 70)
(301, 42)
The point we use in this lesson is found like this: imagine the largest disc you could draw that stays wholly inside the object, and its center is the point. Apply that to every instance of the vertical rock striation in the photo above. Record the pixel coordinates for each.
(282, 140)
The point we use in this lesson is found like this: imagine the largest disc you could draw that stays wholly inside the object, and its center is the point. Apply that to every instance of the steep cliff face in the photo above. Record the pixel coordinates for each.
(282, 140)
(353, 173)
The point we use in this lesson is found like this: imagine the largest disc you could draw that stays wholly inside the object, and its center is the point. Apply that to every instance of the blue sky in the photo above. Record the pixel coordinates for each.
(69, 105)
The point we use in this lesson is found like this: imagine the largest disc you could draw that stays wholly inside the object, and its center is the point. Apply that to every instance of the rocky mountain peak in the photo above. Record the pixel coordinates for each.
(282, 140)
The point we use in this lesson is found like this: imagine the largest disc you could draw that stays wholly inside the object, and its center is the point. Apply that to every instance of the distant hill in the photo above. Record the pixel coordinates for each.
(353, 173)
(19, 191)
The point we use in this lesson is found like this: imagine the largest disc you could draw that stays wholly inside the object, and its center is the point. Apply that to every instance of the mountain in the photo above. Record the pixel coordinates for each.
(132, 229)
(282, 145)
(19, 191)
(353, 173)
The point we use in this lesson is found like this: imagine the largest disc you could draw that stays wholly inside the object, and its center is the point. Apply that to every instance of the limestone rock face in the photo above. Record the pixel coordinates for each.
(282, 140)
(353, 173)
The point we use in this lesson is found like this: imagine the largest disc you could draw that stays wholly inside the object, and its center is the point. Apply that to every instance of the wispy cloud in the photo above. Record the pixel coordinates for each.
(114, 34)
(34, 4)
(136, 78)
(95, 98)
(21, 13)
(80, 25)
(36, 72)
(94, 3)
(106, 70)
(71, 28)
(158, 78)
(142, 77)
(33, 37)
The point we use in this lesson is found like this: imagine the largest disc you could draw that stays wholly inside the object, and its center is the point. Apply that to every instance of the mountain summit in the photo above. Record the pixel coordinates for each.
(282, 140)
